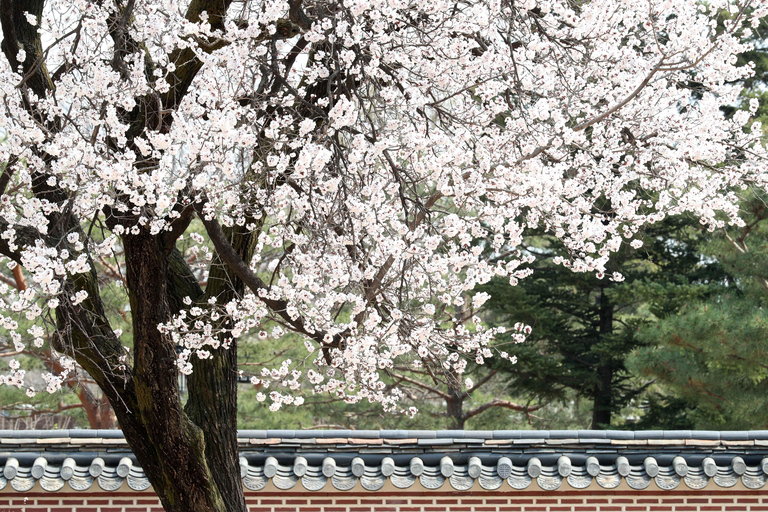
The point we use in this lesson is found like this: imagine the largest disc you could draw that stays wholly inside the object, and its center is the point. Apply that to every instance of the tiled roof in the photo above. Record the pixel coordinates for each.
(454, 460)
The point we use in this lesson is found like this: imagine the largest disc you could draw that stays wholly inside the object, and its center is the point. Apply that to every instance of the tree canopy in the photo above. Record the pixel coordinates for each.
(208, 169)
(713, 355)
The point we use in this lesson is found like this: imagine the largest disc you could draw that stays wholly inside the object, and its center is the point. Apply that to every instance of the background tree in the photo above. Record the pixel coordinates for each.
(585, 325)
(48, 411)
(704, 383)
(445, 400)
(714, 354)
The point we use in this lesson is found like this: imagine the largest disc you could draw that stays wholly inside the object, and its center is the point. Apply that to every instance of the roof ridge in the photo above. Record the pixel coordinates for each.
(619, 435)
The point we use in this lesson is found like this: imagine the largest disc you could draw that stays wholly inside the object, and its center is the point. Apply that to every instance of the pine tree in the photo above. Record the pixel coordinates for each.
(714, 353)
(585, 325)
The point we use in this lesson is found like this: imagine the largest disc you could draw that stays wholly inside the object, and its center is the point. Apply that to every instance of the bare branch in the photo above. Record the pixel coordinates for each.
(421, 385)
(506, 404)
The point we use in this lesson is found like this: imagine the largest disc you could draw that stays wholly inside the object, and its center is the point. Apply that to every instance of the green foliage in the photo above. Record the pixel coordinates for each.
(691, 323)
(714, 354)
(665, 412)
(584, 326)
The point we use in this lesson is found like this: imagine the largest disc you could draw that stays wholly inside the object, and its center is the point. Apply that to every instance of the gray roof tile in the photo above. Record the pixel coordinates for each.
(748, 449)
(424, 434)
(619, 434)
(110, 434)
(649, 434)
(254, 434)
(394, 434)
(592, 434)
(562, 434)
(453, 434)
(705, 434)
(282, 433)
(365, 434)
(676, 434)
(506, 434)
(81, 433)
(734, 435)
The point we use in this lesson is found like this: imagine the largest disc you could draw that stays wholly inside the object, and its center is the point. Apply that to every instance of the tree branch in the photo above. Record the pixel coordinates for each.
(8, 171)
(623, 102)
(187, 63)
(19, 34)
(278, 306)
(506, 404)
(421, 385)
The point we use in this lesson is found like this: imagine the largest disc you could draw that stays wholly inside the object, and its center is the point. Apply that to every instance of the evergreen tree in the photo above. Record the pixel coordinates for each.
(585, 325)
(714, 354)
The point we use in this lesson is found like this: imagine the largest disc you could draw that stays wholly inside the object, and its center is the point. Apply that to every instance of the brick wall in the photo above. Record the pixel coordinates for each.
(484, 501)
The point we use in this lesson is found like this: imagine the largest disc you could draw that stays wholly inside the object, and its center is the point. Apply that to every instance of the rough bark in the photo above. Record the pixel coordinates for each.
(213, 382)
(176, 450)
(18, 34)
(180, 473)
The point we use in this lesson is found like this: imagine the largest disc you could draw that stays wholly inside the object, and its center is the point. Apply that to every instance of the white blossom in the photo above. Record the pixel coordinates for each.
(380, 183)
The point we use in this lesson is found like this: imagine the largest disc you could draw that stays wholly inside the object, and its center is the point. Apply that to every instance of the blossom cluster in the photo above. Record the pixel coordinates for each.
(387, 157)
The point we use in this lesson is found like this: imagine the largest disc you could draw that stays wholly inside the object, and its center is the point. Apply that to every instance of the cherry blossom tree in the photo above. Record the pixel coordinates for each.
(346, 167)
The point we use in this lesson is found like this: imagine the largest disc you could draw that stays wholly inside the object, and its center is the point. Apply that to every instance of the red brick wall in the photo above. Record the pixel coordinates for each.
(520, 501)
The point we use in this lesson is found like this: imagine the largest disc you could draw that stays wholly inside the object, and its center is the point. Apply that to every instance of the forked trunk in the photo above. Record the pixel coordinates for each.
(190, 456)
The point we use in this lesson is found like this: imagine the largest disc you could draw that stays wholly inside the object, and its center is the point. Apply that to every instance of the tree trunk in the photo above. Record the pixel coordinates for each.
(98, 410)
(602, 407)
(213, 382)
(173, 451)
(189, 456)
(602, 394)
(455, 407)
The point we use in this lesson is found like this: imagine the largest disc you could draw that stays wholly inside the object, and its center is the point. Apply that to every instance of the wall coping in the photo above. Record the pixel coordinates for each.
(454, 460)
